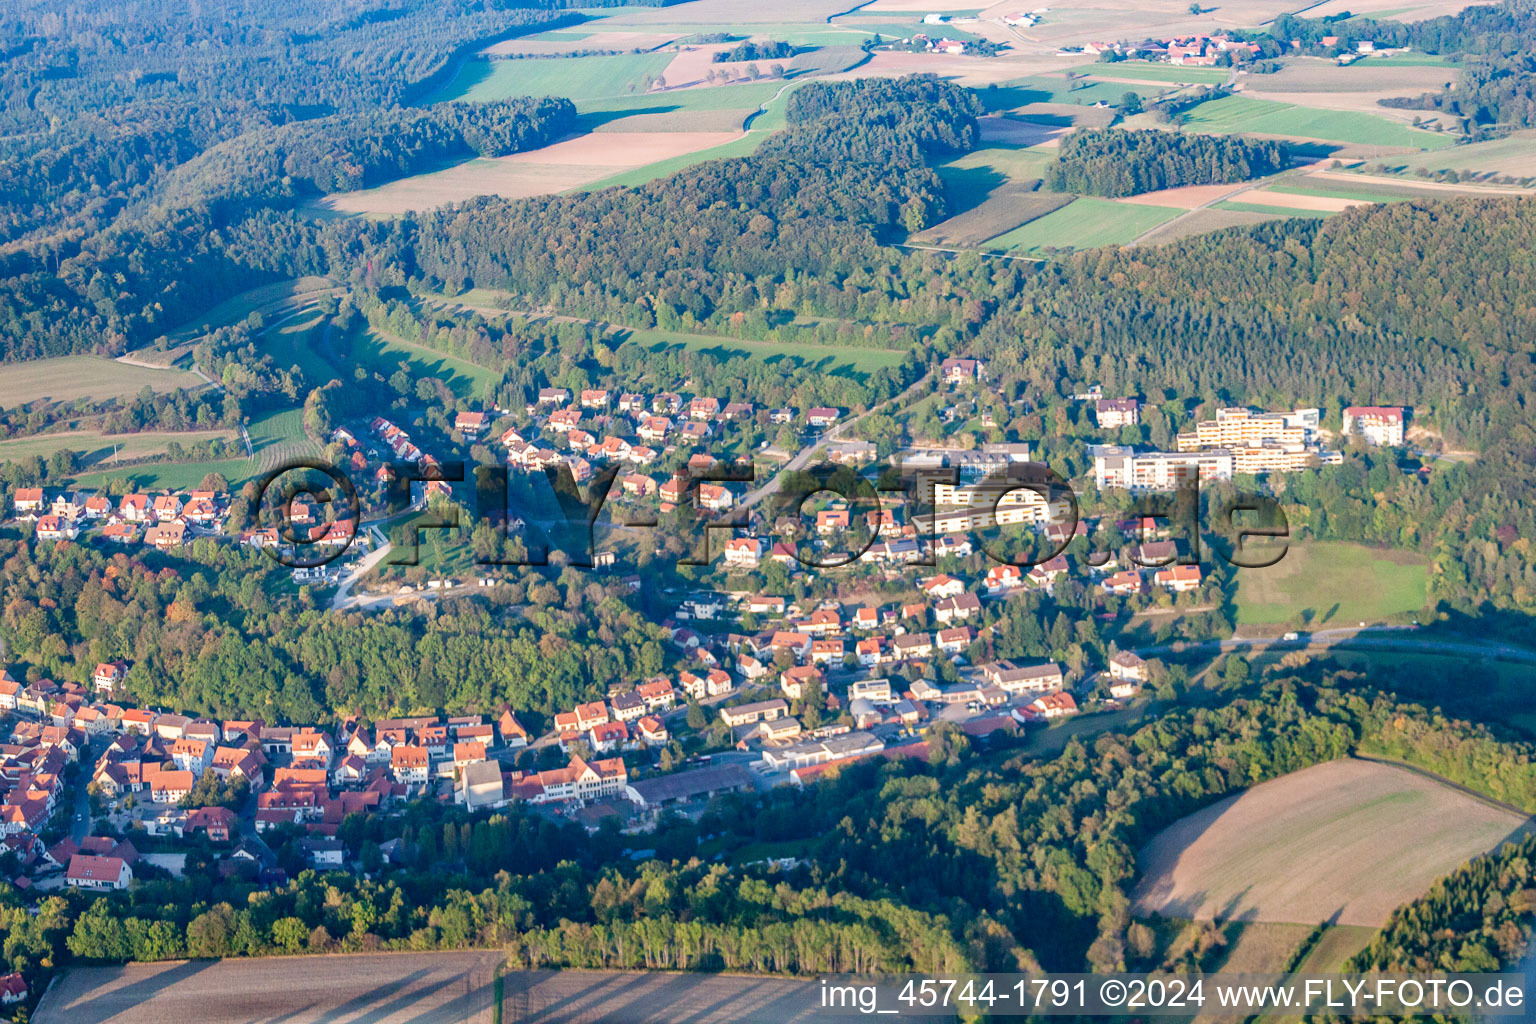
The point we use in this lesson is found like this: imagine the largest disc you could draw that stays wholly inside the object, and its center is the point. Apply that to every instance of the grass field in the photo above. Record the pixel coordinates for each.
(98, 447)
(1198, 222)
(1046, 89)
(276, 437)
(1335, 583)
(1241, 114)
(574, 77)
(1336, 945)
(681, 110)
(1514, 155)
(1083, 224)
(265, 298)
(831, 359)
(297, 343)
(1346, 841)
(68, 378)
(384, 353)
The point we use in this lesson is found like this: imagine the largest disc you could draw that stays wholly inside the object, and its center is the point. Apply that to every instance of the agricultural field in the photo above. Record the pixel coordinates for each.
(1318, 583)
(1514, 155)
(1265, 117)
(388, 988)
(279, 437)
(1002, 211)
(609, 997)
(1198, 222)
(68, 378)
(565, 165)
(832, 359)
(1347, 841)
(174, 476)
(574, 77)
(1146, 71)
(98, 448)
(1269, 211)
(1083, 224)
(704, 109)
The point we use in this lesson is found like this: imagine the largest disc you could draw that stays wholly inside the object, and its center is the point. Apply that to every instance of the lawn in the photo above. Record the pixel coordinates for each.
(175, 476)
(277, 437)
(68, 378)
(1241, 114)
(1084, 224)
(1322, 583)
(1349, 838)
(385, 352)
(297, 343)
(575, 77)
(832, 359)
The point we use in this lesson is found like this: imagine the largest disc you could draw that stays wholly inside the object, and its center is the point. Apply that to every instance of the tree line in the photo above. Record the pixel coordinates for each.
(1115, 162)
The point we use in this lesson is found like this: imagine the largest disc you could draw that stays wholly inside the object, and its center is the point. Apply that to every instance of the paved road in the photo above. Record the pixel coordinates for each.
(801, 460)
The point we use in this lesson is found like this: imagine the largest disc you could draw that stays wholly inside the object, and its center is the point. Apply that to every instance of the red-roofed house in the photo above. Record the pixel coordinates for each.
(101, 873)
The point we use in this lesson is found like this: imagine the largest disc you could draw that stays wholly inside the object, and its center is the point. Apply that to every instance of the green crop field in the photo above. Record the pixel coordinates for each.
(385, 353)
(279, 437)
(1144, 71)
(575, 77)
(1084, 224)
(683, 110)
(1325, 579)
(832, 359)
(175, 476)
(1346, 841)
(68, 378)
(1241, 114)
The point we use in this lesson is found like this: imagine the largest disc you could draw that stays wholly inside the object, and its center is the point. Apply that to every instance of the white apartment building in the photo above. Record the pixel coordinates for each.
(1378, 424)
(1120, 466)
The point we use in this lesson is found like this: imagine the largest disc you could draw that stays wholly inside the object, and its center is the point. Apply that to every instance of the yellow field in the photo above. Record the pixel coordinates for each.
(68, 378)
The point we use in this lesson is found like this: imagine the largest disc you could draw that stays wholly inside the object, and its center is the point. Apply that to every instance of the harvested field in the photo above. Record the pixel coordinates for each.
(67, 378)
(1396, 187)
(1317, 75)
(1018, 132)
(390, 988)
(1186, 197)
(1001, 212)
(691, 63)
(556, 168)
(1297, 201)
(1347, 841)
(614, 997)
(1199, 222)
(1146, 71)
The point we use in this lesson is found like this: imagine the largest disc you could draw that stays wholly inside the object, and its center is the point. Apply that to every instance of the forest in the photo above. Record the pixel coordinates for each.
(1115, 162)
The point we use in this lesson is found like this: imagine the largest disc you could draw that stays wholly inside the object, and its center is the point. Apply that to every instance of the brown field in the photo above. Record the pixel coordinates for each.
(1293, 201)
(1199, 222)
(1317, 75)
(1409, 9)
(389, 988)
(1343, 180)
(1186, 197)
(1019, 133)
(1347, 841)
(555, 168)
(617, 997)
(692, 63)
(1001, 212)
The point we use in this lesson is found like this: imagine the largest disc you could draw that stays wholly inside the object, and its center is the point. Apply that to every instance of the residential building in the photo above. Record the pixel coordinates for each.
(1378, 424)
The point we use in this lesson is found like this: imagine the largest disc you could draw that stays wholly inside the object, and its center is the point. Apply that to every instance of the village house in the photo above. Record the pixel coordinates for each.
(98, 873)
